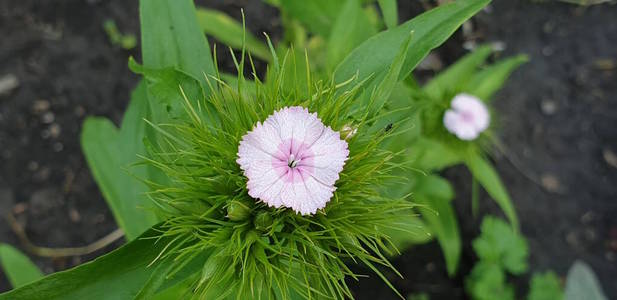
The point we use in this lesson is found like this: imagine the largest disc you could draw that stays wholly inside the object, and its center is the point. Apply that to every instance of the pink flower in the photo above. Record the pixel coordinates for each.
(467, 117)
(292, 160)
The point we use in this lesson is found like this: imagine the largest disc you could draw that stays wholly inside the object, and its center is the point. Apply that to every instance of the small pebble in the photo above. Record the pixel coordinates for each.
(549, 107)
(610, 157)
(58, 147)
(610, 256)
(551, 183)
(40, 106)
(20, 208)
(33, 165)
(48, 117)
(54, 130)
(80, 111)
(74, 215)
(8, 83)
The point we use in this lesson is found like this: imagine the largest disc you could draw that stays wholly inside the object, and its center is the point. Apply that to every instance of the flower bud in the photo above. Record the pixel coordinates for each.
(239, 209)
(263, 221)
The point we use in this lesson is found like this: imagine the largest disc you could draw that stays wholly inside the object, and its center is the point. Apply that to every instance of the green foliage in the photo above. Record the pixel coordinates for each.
(126, 41)
(17, 266)
(171, 37)
(488, 81)
(231, 32)
(486, 175)
(500, 251)
(318, 16)
(582, 283)
(430, 30)
(351, 28)
(109, 152)
(118, 275)
(390, 12)
(499, 244)
(436, 193)
(545, 286)
(303, 255)
(487, 281)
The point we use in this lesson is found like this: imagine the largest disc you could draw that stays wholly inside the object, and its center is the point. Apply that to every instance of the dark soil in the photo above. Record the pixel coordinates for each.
(558, 116)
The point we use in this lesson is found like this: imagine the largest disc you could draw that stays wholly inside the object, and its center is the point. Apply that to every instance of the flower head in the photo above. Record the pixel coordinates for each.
(467, 117)
(292, 160)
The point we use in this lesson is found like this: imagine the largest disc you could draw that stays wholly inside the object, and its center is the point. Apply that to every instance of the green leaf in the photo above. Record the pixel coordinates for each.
(582, 283)
(171, 37)
(499, 244)
(454, 77)
(488, 81)
(17, 266)
(229, 31)
(431, 29)
(352, 27)
(486, 175)
(109, 153)
(428, 155)
(487, 281)
(387, 85)
(316, 15)
(545, 286)
(165, 88)
(390, 12)
(118, 275)
(436, 193)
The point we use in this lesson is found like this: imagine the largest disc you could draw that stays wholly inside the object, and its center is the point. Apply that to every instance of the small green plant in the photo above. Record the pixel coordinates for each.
(125, 41)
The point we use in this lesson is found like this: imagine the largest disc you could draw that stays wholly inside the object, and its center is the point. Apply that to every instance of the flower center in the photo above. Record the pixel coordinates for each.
(292, 162)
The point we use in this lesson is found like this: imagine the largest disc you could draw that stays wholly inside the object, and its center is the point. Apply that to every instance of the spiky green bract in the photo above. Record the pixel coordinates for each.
(271, 253)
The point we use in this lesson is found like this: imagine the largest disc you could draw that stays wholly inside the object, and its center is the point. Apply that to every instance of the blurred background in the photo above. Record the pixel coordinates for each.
(557, 118)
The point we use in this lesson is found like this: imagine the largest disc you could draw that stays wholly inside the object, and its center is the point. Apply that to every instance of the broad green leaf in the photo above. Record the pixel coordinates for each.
(171, 37)
(488, 81)
(390, 12)
(166, 87)
(428, 155)
(436, 194)
(430, 29)
(545, 286)
(118, 275)
(109, 152)
(316, 15)
(17, 266)
(582, 283)
(352, 27)
(500, 244)
(453, 78)
(230, 32)
(486, 175)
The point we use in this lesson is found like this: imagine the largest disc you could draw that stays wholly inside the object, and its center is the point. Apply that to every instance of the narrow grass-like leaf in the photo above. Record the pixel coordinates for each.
(389, 10)
(458, 74)
(486, 175)
(488, 81)
(17, 266)
(436, 193)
